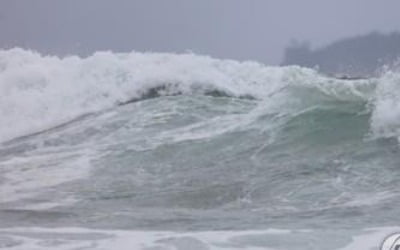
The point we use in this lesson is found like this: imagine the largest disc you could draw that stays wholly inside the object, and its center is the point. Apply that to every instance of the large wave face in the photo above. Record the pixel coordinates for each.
(38, 92)
(188, 142)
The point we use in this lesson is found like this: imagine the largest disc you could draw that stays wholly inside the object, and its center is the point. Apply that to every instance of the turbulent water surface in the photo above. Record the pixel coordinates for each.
(164, 151)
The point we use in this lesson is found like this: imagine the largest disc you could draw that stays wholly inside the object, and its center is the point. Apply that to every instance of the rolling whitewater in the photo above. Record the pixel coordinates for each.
(165, 151)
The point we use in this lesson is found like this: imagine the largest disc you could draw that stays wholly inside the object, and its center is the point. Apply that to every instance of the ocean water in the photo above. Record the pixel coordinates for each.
(163, 151)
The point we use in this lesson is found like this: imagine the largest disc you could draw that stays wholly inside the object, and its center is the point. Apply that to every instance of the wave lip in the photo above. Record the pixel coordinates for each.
(38, 92)
(385, 119)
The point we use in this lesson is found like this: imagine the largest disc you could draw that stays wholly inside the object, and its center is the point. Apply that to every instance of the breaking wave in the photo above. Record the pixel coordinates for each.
(38, 92)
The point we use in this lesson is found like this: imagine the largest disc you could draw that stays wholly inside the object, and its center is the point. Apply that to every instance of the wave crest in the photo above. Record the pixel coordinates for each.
(38, 92)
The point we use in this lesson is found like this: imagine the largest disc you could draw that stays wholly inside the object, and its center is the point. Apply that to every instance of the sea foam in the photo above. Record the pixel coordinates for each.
(81, 238)
(38, 92)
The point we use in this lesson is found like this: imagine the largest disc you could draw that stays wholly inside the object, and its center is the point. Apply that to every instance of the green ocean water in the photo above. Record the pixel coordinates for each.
(274, 158)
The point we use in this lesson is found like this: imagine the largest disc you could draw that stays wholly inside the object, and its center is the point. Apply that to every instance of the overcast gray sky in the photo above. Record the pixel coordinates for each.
(238, 29)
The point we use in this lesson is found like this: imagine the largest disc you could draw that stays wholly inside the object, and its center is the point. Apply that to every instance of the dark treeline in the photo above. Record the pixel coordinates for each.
(358, 56)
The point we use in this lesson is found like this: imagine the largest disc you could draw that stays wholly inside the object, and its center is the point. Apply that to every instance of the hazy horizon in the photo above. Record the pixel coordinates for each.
(252, 30)
(161, 151)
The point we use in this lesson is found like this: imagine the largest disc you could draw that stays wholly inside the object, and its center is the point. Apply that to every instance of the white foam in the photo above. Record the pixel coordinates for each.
(38, 92)
(371, 238)
(28, 176)
(385, 120)
(80, 238)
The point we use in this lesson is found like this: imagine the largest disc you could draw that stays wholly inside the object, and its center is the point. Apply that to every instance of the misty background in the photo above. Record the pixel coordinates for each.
(258, 30)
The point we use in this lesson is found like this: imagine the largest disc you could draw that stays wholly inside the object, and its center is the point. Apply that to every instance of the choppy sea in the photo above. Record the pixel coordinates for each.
(164, 151)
